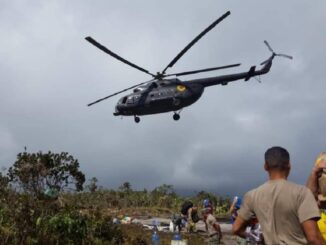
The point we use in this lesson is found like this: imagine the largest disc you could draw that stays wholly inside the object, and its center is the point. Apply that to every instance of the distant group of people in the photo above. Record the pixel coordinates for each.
(276, 212)
(189, 217)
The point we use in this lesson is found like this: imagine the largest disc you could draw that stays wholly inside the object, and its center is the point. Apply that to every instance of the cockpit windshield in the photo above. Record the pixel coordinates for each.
(129, 99)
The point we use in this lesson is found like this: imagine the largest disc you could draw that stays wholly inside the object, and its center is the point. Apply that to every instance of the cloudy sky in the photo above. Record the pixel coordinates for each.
(49, 73)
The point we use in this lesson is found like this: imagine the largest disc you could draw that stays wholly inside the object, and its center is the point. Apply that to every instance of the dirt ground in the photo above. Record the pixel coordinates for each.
(137, 235)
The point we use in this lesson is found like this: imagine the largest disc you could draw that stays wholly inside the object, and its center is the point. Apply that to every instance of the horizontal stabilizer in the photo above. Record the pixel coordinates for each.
(250, 73)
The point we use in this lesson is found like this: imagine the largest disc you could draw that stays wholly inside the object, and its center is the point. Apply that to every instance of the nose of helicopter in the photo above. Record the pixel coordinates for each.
(117, 111)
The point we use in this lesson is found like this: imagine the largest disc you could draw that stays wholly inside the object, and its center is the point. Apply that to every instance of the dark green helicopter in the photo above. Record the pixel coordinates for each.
(162, 94)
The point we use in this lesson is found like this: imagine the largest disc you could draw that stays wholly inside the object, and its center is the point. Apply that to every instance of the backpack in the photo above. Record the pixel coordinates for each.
(194, 216)
(185, 206)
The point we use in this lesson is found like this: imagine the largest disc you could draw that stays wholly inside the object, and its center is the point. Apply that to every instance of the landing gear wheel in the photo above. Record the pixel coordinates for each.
(176, 116)
(137, 119)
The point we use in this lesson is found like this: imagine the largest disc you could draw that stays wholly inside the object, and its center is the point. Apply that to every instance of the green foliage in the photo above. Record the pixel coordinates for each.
(29, 216)
(36, 209)
(4, 181)
(161, 198)
(66, 227)
(36, 172)
(104, 230)
(92, 185)
(125, 187)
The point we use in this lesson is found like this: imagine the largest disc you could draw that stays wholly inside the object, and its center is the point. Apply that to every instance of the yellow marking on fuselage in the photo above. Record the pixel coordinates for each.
(181, 88)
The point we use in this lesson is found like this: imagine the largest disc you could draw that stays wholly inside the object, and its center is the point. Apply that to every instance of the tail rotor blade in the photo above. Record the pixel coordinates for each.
(106, 50)
(124, 90)
(210, 27)
(285, 56)
(274, 54)
(268, 46)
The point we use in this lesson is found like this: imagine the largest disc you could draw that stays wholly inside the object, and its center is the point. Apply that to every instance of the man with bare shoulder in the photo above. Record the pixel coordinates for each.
(287, 212)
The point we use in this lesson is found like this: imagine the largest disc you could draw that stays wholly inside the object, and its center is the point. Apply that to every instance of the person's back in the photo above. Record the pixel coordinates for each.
(286, 212)
(281, 207)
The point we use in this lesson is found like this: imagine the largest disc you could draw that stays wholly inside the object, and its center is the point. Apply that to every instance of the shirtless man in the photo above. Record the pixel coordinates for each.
(213, 228)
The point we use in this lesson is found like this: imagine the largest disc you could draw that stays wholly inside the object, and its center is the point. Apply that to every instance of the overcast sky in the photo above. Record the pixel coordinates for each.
(49, 73)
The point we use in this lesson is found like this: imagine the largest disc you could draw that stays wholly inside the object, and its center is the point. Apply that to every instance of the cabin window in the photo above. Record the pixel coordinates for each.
(155, 94)
(130, 100)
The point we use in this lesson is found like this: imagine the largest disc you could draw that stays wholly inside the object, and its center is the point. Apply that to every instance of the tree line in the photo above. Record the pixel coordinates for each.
(44, 200)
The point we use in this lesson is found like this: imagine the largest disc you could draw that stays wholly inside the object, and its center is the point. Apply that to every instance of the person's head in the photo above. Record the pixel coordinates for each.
(277, 160)
(207, 203)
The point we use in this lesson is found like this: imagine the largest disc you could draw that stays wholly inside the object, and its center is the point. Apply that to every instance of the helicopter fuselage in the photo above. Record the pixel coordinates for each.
(159, 96)
(167, 95)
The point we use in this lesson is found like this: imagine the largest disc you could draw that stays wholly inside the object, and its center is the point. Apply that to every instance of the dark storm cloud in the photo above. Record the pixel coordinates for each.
(49, 73)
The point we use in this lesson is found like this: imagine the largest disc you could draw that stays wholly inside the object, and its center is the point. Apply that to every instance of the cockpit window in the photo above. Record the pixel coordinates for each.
(132, 99)
(124, 100)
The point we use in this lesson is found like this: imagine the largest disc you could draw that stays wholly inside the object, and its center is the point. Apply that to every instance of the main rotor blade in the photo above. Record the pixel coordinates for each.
(202, 70)
(106, 50)
(196, 40)
(111, 95)
(268, 46)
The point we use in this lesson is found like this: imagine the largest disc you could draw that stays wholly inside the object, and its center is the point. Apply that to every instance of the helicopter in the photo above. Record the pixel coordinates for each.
(165, 94)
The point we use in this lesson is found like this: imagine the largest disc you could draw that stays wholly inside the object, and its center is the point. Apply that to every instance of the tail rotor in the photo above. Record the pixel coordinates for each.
(274, 54)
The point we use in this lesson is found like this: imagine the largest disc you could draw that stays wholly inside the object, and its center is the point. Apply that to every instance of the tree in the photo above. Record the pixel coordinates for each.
(163, 195)
(92, 186)
(36, 172)
(164, 190)
(125, 187)
(4, 181)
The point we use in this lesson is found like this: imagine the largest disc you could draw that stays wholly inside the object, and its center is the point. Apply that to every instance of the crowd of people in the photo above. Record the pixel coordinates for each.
(277, 212)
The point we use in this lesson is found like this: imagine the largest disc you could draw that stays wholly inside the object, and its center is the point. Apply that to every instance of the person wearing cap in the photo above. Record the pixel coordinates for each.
(287, 212)
(317, 184)
(212, 227)
(235, 206)
(207, 203)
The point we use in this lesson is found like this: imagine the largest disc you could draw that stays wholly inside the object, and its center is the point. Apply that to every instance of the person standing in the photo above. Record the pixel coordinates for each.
(287, 212)
(235, 206)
